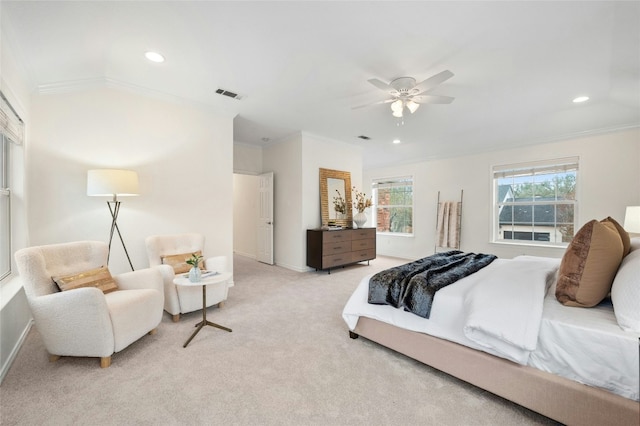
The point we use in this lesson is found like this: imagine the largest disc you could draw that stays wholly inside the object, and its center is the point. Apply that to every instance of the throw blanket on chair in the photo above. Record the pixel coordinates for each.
(413, 285)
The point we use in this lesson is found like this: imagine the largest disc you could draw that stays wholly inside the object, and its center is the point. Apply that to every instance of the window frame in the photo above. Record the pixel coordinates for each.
(389, 181)
(5, 217)
(556, 166)
(11, 133)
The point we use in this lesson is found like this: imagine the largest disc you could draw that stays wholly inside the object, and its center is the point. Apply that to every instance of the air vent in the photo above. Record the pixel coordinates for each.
(366, 138)
(229, 94)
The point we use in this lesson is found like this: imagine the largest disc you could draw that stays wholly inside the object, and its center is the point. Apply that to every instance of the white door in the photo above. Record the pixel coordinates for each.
(265, 220)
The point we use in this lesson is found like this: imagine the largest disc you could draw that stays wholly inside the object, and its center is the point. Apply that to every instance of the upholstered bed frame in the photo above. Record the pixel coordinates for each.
(561, 399)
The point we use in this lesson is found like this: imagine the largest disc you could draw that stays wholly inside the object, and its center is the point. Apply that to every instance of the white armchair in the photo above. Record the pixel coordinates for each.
(85, 321)
(180, 299)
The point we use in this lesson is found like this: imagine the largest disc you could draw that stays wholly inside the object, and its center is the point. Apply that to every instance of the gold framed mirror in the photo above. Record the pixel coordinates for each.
(335, 198)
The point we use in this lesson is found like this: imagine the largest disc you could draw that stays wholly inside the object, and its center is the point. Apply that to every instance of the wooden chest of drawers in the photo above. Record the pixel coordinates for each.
(329, 249)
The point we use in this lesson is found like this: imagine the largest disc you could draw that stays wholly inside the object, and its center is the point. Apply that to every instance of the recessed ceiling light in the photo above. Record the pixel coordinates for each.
(154, 56)
(580, 99)
(396, 141)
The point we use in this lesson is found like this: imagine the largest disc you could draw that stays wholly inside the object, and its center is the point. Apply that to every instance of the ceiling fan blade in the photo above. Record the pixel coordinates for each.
(386, 101)
(433, 81)
(432, 99)
(380, 84)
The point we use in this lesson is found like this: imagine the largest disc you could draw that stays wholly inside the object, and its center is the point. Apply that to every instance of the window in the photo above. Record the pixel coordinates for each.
(11, 131)
(393, 204)
(5, 210)
(535, 202)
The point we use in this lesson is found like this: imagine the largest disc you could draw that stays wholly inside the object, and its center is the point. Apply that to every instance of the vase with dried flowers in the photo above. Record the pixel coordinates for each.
(360, 203)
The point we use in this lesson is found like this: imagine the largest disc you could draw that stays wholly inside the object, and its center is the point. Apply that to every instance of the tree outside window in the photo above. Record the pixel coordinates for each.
(536, 202)
(393, 201)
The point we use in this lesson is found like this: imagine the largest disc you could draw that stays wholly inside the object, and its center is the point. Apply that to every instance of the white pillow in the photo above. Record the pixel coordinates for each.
(625, 292)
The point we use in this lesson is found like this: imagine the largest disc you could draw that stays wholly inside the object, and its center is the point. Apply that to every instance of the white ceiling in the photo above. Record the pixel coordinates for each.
(302, 66)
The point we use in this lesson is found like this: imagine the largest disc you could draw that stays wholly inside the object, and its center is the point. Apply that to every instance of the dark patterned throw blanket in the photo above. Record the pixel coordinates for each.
(413, 285)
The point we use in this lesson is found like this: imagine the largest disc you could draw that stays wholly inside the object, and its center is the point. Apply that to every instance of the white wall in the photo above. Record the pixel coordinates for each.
(295, 162)
(247, 159)
(284, 159)
(609, 180)
(247, 164)
(317, 153)
(246, 190)
(183, 155)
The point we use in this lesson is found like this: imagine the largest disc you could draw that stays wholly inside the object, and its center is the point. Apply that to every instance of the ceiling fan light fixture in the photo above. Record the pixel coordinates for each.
(412, 106)
(397, 106)
(404, 90)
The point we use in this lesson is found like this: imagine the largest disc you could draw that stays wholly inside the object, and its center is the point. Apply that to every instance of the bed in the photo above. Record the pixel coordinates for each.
(572, 364)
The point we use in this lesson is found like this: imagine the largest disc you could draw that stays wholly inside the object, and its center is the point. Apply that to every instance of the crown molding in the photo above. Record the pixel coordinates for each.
(509, 146)
(71, 86)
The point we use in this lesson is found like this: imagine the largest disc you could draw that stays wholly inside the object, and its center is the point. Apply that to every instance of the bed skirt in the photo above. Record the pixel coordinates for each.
(561, 399)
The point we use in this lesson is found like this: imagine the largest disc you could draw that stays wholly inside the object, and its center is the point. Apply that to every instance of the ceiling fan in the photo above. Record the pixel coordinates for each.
(405, 92)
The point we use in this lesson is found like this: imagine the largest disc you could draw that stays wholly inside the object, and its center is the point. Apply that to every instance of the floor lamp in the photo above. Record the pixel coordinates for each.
(113, 183)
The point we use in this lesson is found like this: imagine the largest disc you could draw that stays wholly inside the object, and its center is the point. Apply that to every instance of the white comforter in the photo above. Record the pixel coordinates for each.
(480, 325)
(504, 313)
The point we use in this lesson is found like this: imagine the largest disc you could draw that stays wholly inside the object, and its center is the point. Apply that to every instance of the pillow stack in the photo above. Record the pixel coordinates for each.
(602, 259)
(590, 263)
(625, 291)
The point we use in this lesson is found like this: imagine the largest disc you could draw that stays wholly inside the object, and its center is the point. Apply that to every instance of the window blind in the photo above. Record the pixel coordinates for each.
(11, 125)
(392, 182)
(569, 164)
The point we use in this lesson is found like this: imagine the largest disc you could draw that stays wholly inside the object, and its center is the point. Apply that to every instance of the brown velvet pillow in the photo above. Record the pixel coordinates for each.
(624, 235)
(100, 278)
(589, 265)
(179, 261)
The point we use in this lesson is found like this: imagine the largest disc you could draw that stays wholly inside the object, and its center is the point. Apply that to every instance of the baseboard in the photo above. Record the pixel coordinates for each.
(292, 267)
(14, 352)
(243, 254)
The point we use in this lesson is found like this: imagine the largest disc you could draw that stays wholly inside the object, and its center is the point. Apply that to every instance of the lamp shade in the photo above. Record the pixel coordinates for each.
(397, 106)
(112, 182)
(632, 219)
(412, 106)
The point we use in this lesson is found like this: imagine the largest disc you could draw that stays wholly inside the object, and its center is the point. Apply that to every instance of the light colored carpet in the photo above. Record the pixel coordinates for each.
(289, 360)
